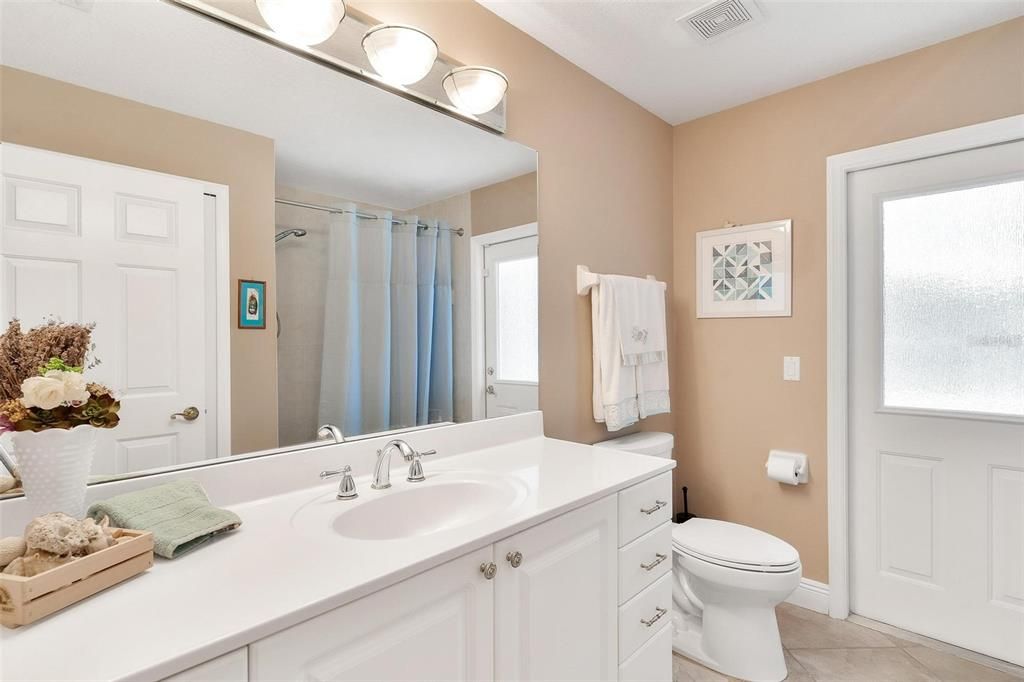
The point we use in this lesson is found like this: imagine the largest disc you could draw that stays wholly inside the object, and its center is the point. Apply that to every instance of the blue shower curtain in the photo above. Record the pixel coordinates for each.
(387, 343)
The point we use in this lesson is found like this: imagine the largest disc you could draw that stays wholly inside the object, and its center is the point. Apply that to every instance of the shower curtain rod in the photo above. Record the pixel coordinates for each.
(359, 214)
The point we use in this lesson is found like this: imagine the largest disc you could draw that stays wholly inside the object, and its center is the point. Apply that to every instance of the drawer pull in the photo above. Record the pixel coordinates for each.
(658, 613)
(658, 504)
(657, 560)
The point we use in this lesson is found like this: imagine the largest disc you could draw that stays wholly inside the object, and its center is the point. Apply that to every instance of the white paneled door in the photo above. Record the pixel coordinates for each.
(93, 242)
(937, 397)
(510, 321)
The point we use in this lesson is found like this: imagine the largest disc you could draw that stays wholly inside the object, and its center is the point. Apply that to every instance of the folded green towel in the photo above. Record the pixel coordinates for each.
(179, 514)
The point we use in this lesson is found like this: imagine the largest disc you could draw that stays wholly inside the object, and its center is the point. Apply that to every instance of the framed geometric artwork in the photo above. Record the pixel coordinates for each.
(745, 271)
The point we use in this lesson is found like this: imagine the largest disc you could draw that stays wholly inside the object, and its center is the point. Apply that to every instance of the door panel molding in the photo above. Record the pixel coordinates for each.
(838, 168)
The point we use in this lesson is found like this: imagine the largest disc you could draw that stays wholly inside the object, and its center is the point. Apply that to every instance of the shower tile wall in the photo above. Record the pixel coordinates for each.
(301, 292)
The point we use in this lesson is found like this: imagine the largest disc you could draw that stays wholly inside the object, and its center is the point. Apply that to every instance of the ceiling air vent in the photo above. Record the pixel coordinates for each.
(719, 17)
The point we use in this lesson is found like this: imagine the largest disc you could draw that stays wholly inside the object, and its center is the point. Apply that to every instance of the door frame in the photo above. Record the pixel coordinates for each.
(477, 244)
(838, 167)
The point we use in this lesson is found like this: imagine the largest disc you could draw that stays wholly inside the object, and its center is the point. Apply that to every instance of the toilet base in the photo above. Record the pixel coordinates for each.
(735, 641)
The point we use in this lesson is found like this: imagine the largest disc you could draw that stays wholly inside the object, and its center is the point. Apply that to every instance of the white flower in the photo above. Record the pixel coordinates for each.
(75, 392)
(45, 392)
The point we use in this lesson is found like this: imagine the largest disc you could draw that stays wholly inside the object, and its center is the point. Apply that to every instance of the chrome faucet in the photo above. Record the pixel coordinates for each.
(382, 470)
(330, 432)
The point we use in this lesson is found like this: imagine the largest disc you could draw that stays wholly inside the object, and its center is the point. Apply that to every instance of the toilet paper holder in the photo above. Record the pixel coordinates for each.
(793, 463)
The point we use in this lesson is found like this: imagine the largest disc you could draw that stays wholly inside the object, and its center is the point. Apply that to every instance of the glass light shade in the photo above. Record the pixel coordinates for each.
(475, 89)
(303, 22)
(400, 54)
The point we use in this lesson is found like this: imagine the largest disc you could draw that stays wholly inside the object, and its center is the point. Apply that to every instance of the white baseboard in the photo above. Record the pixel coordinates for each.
(810, 594)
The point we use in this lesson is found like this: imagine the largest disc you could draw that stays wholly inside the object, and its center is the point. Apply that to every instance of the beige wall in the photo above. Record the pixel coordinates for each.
(605, 195)
(505, 204)
(764, 161)
(49, 114)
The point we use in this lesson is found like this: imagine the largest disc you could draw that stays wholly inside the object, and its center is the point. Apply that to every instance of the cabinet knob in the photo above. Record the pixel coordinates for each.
(489, 570)
(514, 558)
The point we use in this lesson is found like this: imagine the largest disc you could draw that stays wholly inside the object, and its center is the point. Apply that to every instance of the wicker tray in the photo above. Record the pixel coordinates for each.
(25, 600)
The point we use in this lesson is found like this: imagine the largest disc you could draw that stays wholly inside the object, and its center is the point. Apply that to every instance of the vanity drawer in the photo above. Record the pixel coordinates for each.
(652, 662)
(644, 560)
(644, 507)
(644, 616)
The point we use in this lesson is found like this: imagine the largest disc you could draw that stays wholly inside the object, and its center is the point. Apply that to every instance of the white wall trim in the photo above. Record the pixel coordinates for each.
(838, 167)
(477, 243)
(810, 594)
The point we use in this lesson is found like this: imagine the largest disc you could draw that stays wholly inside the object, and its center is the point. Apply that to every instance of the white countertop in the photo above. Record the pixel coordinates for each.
(268, 576)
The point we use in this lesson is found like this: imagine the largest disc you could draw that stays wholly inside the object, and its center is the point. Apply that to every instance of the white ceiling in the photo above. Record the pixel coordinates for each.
(333, 134)
(637, 47)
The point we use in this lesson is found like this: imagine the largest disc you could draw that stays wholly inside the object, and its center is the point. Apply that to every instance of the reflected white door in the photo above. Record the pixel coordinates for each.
(937, 397)
(87, 241)
(510, 326)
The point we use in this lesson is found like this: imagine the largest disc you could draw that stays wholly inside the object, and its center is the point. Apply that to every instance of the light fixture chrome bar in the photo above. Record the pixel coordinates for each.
(366, 216)
(322, 58)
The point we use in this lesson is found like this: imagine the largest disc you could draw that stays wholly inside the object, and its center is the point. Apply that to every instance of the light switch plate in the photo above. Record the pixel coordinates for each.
(791, 368)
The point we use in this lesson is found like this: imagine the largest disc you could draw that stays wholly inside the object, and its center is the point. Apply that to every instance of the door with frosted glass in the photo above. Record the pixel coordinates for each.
(510, 326)
(937, 397)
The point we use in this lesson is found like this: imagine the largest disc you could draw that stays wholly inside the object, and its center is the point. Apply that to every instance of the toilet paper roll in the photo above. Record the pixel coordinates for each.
(782, 469)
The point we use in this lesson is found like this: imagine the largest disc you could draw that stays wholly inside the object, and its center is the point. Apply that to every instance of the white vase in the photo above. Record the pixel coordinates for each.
(54, 468)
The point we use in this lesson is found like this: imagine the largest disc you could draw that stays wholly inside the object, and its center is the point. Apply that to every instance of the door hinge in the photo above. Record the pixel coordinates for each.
(487, 272)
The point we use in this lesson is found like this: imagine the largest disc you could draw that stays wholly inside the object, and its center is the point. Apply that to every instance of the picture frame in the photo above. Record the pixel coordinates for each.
(745, 271)
(252, 304)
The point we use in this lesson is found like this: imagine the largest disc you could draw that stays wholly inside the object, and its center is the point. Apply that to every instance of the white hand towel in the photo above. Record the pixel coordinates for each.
(640, 312)
(615, 391)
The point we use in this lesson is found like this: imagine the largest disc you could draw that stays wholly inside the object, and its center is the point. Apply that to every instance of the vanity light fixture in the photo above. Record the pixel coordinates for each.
(303, 22)
(475, 89)
(401, 54)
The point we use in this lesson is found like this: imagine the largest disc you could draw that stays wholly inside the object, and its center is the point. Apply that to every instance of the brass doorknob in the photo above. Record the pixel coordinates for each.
(189, 414)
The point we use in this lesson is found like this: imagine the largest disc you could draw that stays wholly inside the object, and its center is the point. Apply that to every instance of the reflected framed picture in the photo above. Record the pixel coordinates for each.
(745, 271)
(252, 304)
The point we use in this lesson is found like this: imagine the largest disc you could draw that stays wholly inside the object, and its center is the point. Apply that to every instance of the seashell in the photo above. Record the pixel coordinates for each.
(38, 561)
(57, 533)
(10, 549)
(100, 536)
(7, 483)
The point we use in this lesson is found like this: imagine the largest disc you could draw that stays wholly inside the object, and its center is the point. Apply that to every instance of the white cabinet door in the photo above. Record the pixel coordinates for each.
(555, 614)
(435, 626)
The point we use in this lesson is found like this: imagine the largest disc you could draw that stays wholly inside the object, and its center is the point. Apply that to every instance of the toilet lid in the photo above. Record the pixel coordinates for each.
(734, 546)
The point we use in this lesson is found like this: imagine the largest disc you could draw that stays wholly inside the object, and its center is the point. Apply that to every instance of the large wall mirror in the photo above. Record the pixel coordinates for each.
(265, 246)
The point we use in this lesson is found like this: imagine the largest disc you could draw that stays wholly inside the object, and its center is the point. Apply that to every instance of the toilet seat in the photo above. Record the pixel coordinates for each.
(734, 546)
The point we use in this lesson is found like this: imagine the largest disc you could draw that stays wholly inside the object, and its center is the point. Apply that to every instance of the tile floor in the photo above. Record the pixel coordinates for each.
(820, 648)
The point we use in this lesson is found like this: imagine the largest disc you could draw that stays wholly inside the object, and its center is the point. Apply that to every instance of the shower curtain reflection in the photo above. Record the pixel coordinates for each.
(387, 340)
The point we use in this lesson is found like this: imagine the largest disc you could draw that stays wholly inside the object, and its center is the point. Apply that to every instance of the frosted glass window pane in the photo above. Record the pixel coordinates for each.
(517, 320)
(953, 292)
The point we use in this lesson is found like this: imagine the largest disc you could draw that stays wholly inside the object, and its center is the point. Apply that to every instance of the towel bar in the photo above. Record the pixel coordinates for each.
(586, 280)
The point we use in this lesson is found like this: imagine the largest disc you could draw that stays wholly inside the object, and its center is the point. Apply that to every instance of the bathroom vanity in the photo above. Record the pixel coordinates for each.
(529, 558)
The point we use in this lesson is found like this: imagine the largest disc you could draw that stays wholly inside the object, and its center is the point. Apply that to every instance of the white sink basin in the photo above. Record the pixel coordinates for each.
(414, 509)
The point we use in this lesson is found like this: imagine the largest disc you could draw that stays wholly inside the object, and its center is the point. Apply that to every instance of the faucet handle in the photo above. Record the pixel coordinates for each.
(347, 487)
(416, 467)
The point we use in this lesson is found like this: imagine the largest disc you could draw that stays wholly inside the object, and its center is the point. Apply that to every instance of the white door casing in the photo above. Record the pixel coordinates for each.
(510, 381)
(434, 626)
(127, 249)
(936, 479)
(556, 615)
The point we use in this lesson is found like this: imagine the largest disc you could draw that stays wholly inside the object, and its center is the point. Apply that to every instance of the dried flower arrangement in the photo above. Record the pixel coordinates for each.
(41, 382)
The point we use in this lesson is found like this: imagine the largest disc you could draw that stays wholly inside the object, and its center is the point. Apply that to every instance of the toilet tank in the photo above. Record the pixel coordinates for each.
(653, 443)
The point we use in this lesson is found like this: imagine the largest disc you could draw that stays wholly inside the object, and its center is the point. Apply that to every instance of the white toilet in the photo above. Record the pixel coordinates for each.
(728, 579)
